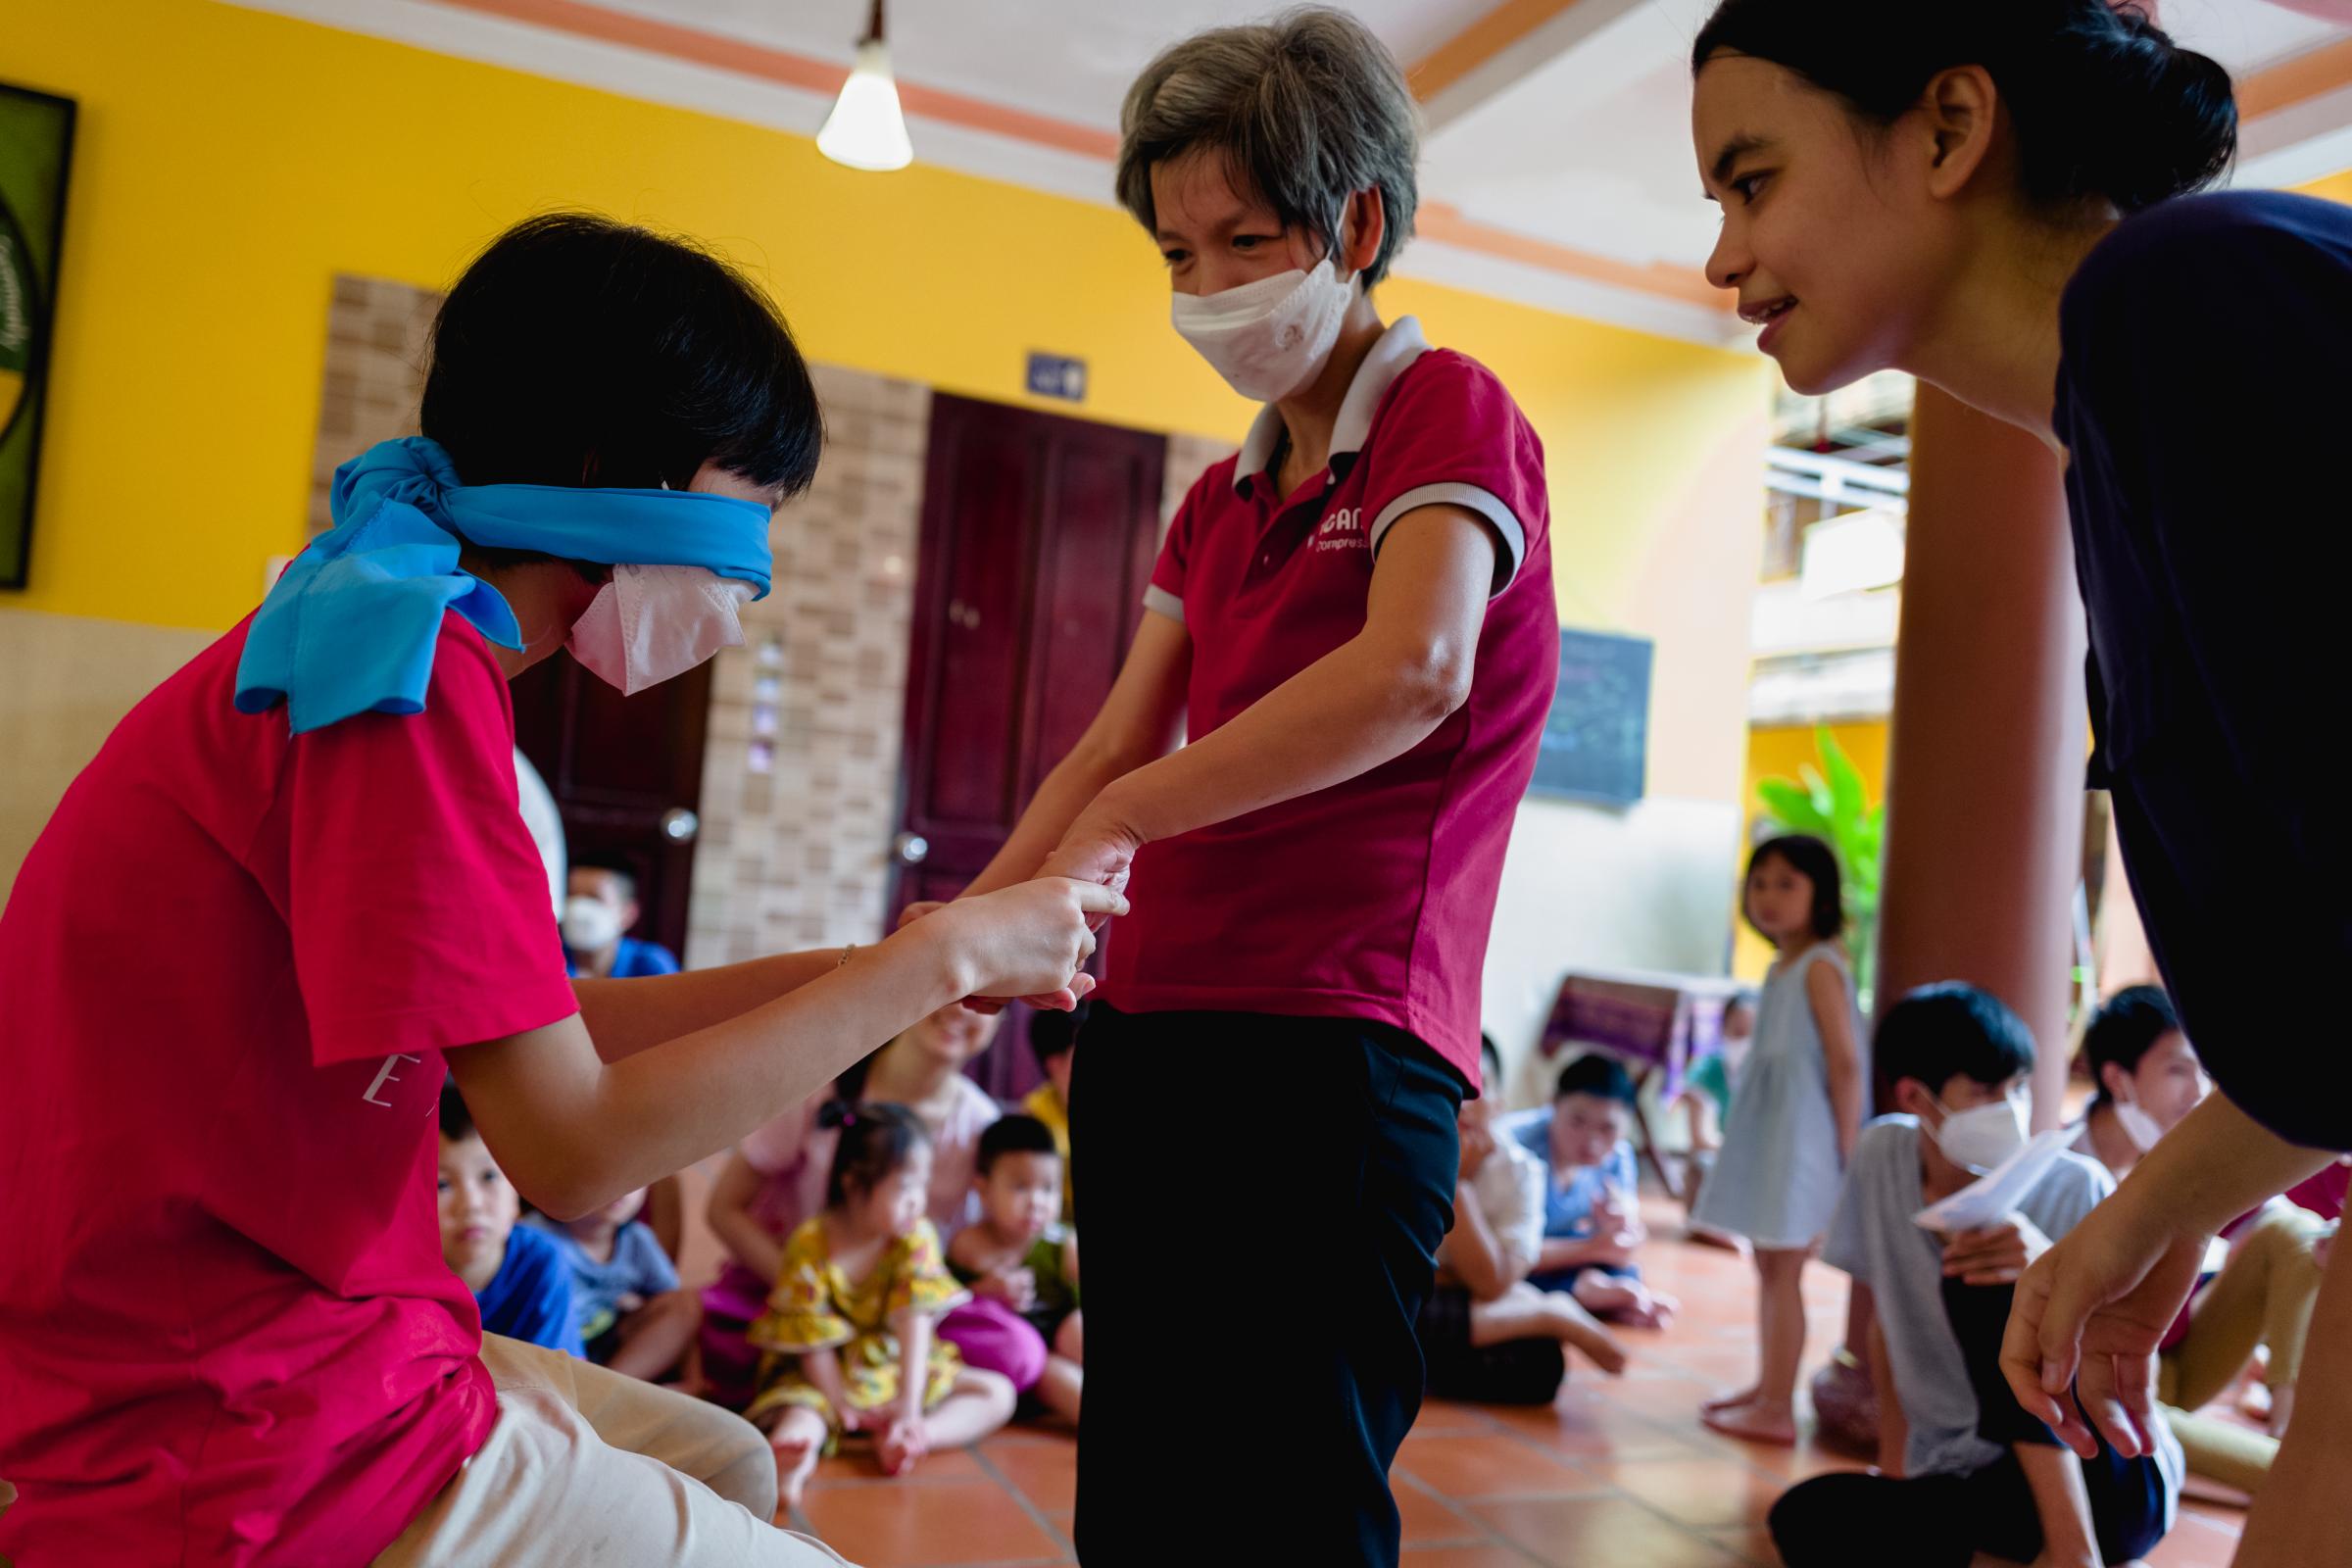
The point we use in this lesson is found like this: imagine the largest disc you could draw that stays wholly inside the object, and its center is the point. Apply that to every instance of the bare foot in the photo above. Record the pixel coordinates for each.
(1755, 1422)
(1582, 1329)
(796, 1459)
(1731, 1399)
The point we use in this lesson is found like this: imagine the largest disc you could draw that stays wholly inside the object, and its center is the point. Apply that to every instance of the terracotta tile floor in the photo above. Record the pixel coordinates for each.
(1616, 1474)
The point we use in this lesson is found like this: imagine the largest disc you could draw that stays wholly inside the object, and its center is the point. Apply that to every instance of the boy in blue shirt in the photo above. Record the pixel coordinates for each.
(626, 1303)
(1591, 1194)
(1963, 1469)
(518, 1277)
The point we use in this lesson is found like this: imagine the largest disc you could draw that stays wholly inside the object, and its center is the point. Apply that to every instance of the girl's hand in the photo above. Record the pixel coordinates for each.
(1021, 1288)
(1029, 940)
(2089, 1314)
(852, 1418)
(1098, 848)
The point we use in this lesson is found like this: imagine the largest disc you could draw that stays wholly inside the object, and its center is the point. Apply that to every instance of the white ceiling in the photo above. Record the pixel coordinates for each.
(1576, 137)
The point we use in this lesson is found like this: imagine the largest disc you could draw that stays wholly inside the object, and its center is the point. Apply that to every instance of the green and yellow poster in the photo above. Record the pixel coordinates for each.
(36, 143)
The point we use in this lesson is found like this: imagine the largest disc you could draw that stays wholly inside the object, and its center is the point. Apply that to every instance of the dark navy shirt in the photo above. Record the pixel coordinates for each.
(2205, 402)
(529, 1297)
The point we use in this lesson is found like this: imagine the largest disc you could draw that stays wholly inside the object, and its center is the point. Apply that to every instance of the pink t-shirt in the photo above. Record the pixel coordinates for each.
(231, 965)
(1372, 898)
(795, 1155)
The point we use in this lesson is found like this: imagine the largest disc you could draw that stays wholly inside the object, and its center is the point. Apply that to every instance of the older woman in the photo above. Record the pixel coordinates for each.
(1353, 620)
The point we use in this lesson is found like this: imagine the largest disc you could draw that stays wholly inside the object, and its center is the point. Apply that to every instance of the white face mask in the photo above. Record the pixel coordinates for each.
(1269, 338)
(1983, 1136)
(650, 623)
(2138, 1124)
(590, 925)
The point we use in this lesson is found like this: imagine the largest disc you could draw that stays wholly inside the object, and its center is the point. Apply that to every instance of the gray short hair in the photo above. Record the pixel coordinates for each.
(1306, 110)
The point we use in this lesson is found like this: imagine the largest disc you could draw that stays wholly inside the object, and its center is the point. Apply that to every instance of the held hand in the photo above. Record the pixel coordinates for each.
(1096, 848)
(1994, 1254)
(1029, 940)
(2089, 1313)
(916, 911)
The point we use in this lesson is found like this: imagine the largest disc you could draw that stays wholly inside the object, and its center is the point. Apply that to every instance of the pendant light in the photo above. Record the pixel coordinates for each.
(865, 130)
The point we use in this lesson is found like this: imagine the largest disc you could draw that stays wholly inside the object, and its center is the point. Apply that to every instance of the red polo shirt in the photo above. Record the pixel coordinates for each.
(1371, 899)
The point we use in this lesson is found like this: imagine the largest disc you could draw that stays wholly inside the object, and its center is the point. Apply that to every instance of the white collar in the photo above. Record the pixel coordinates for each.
(1397, 347)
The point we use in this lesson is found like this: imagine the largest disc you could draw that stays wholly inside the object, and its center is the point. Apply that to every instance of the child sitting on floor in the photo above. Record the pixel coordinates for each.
(1054, 1037)
(625, 1299)
(1963, 1469)
(1591, 1215)
(517, 1276)
(1019, 1253)
(1487, 1334)
(849, 1328)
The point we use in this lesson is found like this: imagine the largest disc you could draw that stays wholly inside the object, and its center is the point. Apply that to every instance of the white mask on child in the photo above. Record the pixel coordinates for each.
(590, 925)
(2137, 1125)
(1983, 1136)
(650, 623)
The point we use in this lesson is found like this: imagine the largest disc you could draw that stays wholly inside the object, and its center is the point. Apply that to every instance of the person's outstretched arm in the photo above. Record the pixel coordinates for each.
(624, 1017)
(2092, 1310)
(1370, 700)
(1138, 722)
(573, 1131)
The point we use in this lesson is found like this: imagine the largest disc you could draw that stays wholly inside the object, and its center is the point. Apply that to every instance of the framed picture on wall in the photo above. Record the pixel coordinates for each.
(36, 145)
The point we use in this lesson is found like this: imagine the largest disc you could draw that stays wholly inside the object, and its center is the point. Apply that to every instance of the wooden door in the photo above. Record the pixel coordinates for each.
(626, 773)
(1039, 534)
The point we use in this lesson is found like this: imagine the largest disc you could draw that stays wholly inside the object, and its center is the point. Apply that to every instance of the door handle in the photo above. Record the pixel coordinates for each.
(911, 848)
(679, 825)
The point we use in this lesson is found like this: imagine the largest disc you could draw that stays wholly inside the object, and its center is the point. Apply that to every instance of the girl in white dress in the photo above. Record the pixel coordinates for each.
(1793, 1122)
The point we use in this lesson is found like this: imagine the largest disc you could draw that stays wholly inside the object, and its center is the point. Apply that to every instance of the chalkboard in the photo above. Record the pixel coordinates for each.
(1597, 739)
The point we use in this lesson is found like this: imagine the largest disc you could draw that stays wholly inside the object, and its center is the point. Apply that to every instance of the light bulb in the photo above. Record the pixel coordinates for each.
(865, 130)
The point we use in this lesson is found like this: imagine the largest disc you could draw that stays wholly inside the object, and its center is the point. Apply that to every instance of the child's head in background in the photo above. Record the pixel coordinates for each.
(1019, 1177)
(881, 1176)
(1591, 1110)
(2142, 1063)
(478, 1205)
(1958, 1059)
(1054, 1036)
(1791, 894)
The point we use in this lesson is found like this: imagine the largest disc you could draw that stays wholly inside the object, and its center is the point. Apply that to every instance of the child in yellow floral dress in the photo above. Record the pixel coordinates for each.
(848, 1330)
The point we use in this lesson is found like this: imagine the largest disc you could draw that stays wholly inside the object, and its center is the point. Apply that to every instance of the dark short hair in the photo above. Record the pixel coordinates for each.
(1305, 111)
(2123, 1029)
(1951, 1030)
(627, 879)
(1603, 1077)
(1055, 1033)
(1490, 1059)
(457, 1122)
(877, 1137)
(1815, 860)
(1014, 1135)
(580, 351)
(2105, 105)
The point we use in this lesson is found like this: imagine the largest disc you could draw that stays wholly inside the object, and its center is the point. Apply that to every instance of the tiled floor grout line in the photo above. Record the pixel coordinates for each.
(1037, 1515)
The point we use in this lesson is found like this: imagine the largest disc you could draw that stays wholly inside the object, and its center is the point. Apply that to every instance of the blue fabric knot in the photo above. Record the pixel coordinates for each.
(352, 625)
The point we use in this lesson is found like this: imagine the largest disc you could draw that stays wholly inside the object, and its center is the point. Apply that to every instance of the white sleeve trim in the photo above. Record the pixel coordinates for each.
(1167, 603)
(1475, 498)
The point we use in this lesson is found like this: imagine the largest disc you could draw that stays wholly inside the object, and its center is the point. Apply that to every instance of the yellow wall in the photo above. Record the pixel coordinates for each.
(231, 162)
(2336, 188)
(1780, 753)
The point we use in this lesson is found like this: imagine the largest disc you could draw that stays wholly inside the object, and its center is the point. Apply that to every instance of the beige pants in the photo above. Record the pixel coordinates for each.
(586, 1466)
(2263, 1295)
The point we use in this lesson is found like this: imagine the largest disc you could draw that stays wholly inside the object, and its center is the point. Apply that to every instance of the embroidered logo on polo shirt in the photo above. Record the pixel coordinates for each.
(1343, 529)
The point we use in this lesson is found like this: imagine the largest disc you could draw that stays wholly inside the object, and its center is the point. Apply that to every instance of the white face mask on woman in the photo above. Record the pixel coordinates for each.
(1269, 338)
(648, 623)
(1983, 1136)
